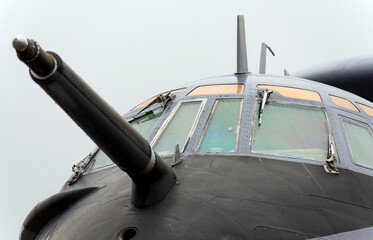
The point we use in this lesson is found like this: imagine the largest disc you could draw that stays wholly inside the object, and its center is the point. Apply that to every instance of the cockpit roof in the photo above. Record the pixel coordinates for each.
(251, 81)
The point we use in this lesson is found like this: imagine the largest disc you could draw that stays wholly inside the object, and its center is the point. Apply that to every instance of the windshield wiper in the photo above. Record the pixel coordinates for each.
(265, 95)
(78, 169)
(329, 165)
(161, 98)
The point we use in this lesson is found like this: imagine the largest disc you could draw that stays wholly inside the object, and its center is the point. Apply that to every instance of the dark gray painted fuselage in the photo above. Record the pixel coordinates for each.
(238, 195)
(224, 197)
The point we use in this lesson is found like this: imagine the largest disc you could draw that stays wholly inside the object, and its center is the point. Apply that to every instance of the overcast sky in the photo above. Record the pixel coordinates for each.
(129, 51)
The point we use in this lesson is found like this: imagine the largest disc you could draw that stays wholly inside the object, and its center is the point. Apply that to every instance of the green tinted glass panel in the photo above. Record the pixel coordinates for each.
(178, 130)
(222, 132)
(292, 131)
(143, 125)
(361, 142)
(99, 160)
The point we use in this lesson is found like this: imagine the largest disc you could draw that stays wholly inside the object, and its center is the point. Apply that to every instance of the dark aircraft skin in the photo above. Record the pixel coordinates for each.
(288, 166)
(353, 75)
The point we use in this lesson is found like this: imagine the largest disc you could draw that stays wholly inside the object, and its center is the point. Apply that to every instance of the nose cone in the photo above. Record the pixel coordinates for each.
(20, 43)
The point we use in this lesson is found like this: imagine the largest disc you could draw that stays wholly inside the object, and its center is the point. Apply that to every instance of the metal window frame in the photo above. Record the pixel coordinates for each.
(328, 127)
(212, 113)
(217, 93)
(362, 124)
(268, 86)
(97, 149)
(355, 109)
(155, 124)
(93, 155)
(171, 117)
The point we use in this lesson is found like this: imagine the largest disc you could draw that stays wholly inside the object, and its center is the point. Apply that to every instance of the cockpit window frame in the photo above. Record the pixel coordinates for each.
(144, 103)
(91, 156)
(366, 109)
(255, 119)
(358, 121)
(161, 130)
(343, 103)
(293, 92)
(210, 117)
(95, 151)
(217, 89)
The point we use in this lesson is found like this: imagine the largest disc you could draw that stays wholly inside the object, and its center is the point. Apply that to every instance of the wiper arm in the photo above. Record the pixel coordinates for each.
(329, 166)
(265, 95)
(78, 169)
(161, 98)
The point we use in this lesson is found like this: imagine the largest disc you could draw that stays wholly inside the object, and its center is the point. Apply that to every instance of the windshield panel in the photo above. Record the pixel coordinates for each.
(360, 140)
(179, 129)
(98, 161)
(144, 125)
(292, 131)
(222, 128)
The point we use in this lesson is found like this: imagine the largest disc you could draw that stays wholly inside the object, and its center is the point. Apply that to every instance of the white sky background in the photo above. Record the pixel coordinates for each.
(131, 50)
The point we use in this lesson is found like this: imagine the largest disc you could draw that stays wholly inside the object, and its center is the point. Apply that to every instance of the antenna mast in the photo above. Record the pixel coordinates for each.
(263, 57)
(241, 46)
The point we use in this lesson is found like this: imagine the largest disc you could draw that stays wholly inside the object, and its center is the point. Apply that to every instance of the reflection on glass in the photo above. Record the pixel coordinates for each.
(179, 129)
(292, 131)
(99, 160)
(143, 125)
(223, 127)
(361, 142)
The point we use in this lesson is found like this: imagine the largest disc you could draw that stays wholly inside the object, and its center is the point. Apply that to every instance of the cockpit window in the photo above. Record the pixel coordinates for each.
(366, 109)
(143, 104)
(222, 129)
(291, 130)
(218, 89)
(360, 140)
(179, 128)
(99, 160)
(291, 92)
(143, 125)
(343, 103)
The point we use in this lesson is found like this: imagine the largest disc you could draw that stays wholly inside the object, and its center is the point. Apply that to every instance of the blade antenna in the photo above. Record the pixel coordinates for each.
(286, 73)
(241, 46)
(263, 57)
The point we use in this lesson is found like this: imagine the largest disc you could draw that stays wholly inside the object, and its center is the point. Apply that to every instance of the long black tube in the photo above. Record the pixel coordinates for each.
(152, 178)
(123, 144)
